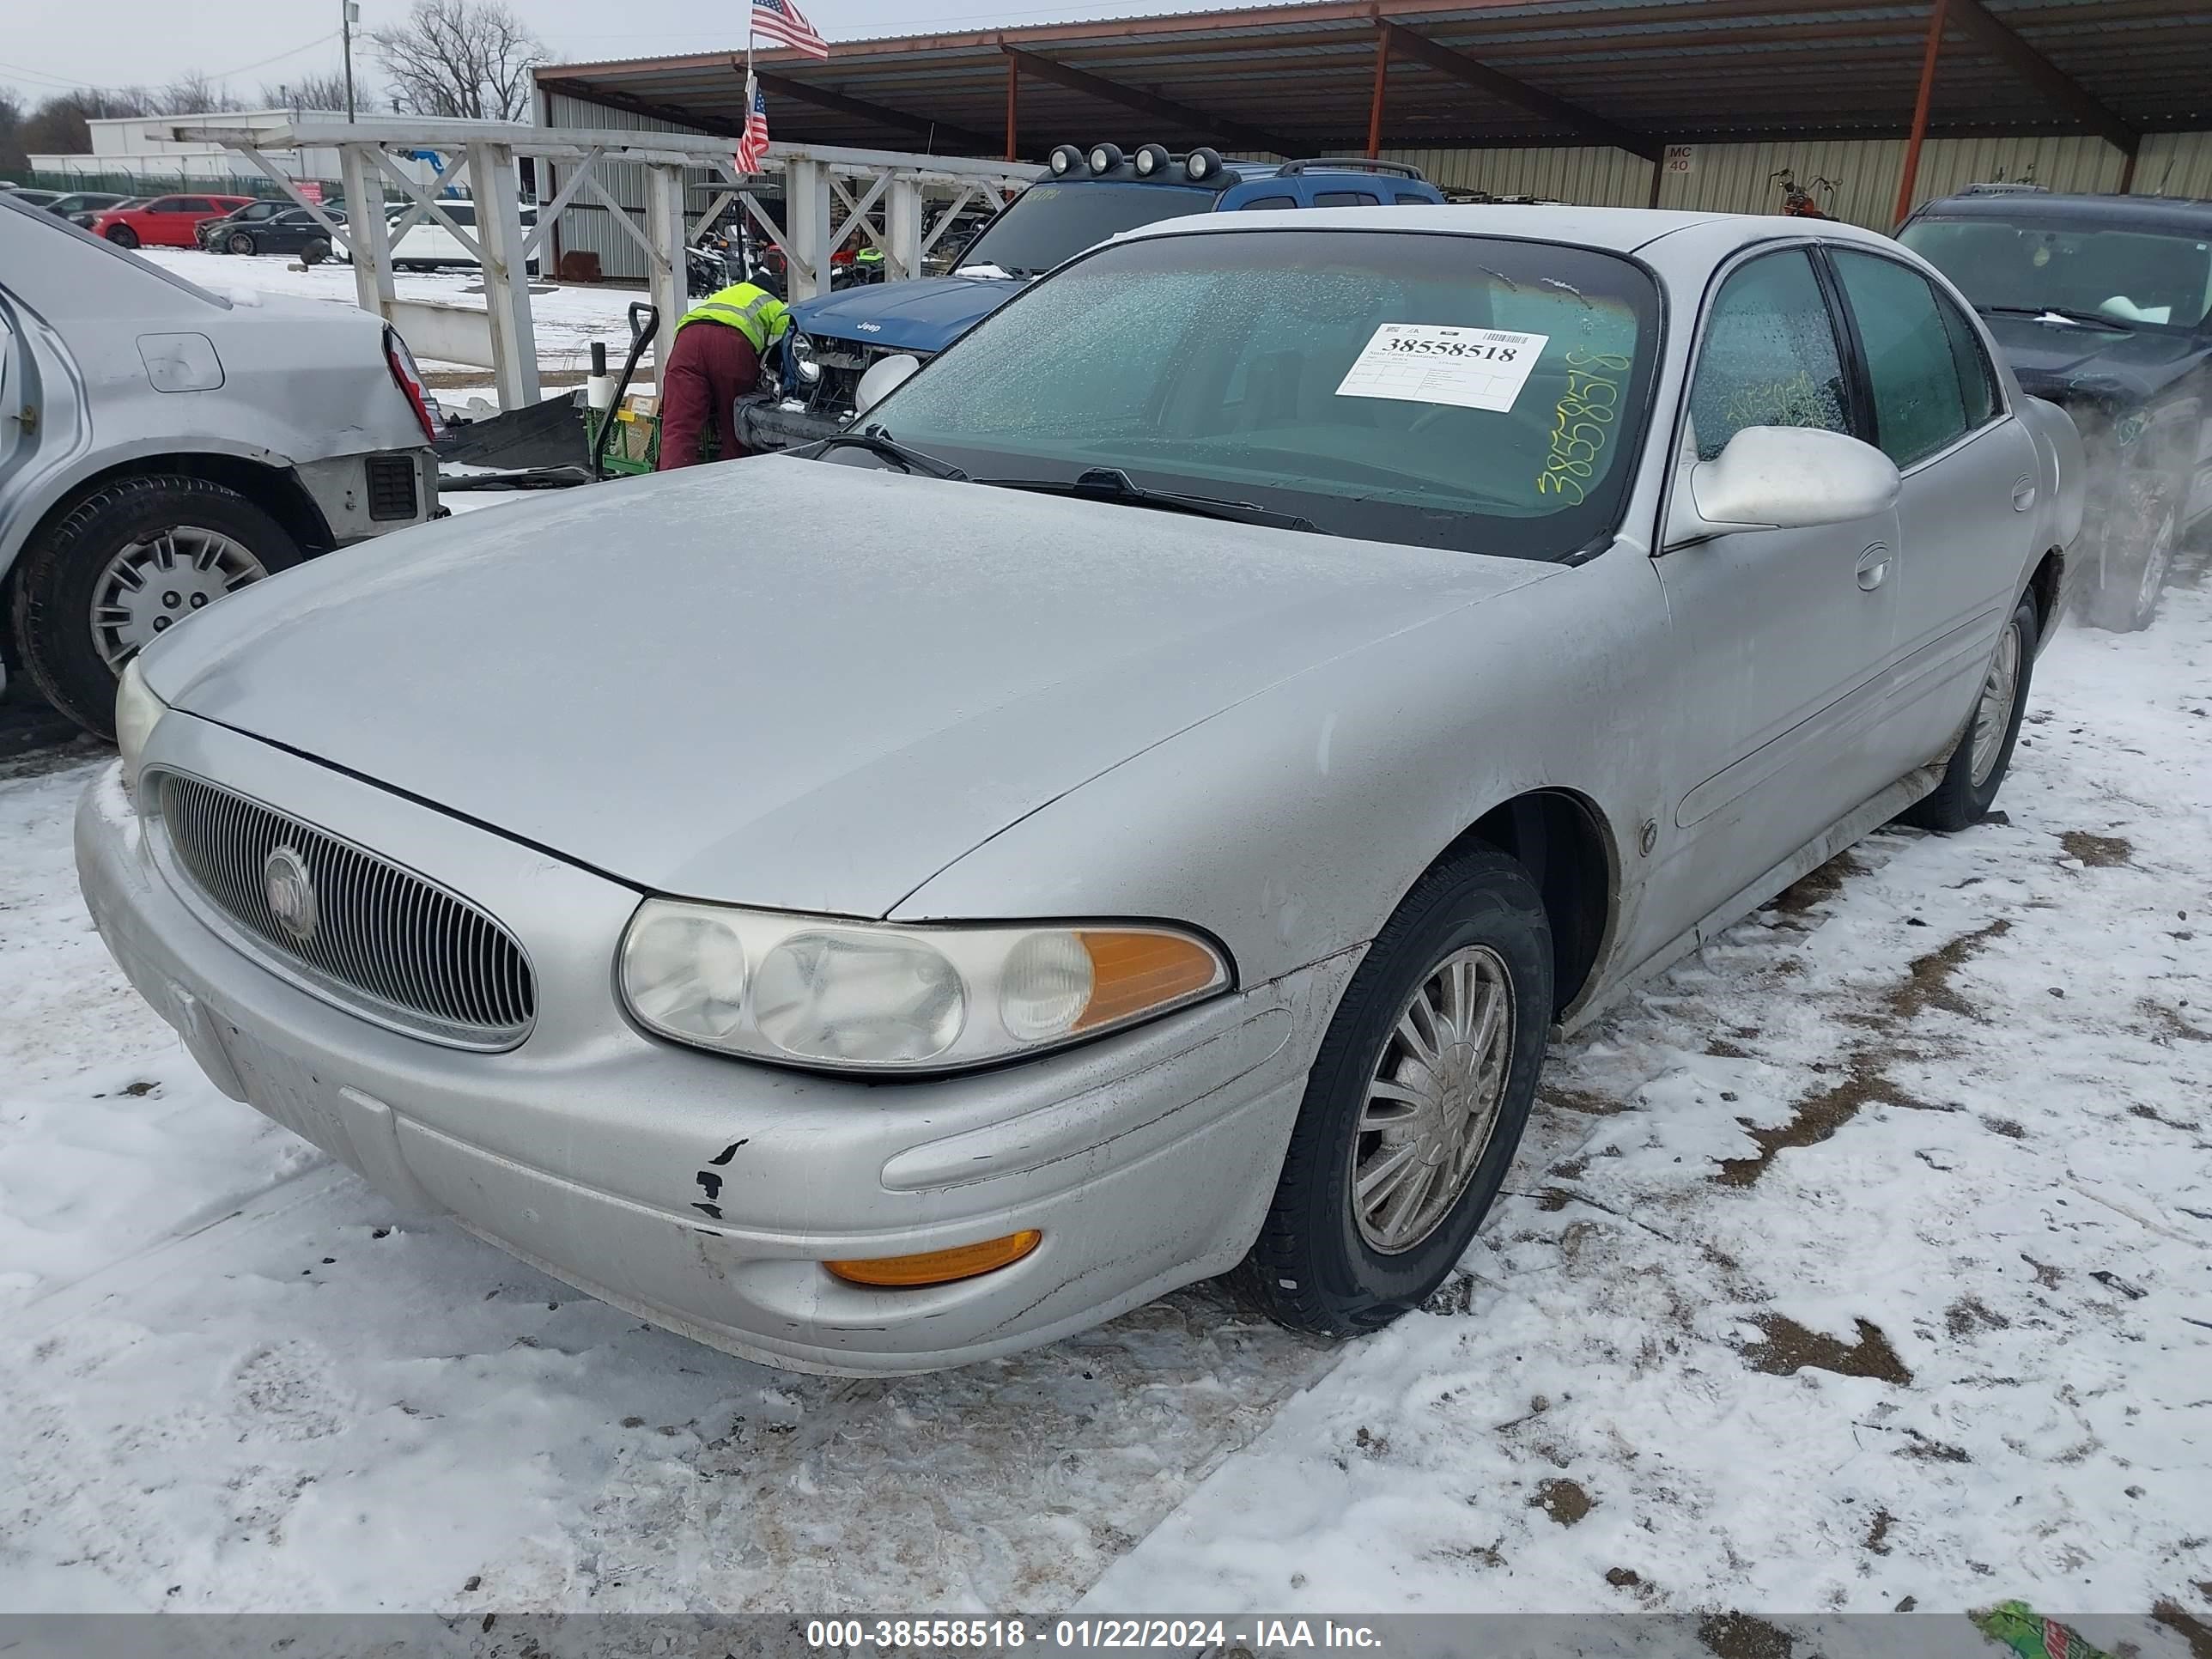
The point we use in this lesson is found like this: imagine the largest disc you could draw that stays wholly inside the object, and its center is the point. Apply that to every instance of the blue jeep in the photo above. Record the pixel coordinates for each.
(1085, 199)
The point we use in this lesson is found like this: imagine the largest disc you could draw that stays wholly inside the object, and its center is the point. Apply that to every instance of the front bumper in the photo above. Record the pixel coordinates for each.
(702, 1193)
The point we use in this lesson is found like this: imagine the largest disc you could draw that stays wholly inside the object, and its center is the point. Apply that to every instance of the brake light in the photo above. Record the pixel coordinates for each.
(408, 379)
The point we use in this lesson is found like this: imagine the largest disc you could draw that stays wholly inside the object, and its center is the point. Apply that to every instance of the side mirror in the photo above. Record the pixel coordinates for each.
(884, 376)
(1781, 477)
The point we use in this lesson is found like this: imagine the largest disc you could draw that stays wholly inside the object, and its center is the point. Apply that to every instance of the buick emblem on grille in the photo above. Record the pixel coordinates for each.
(290, 892)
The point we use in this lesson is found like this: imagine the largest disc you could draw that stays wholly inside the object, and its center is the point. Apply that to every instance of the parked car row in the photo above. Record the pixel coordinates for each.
(1372, 642)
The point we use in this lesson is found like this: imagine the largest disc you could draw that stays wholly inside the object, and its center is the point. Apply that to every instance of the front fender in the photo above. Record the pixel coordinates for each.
(1290, 825)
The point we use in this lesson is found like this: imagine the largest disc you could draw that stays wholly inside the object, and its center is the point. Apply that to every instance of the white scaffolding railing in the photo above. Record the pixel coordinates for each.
(828, 194)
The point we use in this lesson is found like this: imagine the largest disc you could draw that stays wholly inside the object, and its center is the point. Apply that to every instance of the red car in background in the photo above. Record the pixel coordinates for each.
(164, 221)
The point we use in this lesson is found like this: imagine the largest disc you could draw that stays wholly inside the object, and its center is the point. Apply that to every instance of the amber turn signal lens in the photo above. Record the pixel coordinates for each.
(1133, 972)
(939, 1266)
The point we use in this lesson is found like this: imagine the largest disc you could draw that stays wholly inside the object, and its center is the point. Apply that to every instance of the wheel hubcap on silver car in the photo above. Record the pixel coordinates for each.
(151, 586)
(1432, 1103)
(1993, 717)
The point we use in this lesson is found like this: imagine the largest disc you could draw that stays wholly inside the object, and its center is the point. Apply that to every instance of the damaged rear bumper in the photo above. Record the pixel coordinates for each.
(704, 1193)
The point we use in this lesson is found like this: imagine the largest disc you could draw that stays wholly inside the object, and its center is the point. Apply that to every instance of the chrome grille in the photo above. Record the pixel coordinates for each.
(375, 937)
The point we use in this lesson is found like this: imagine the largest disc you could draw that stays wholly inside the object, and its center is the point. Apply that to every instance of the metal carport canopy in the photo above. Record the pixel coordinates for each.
(1335, 77)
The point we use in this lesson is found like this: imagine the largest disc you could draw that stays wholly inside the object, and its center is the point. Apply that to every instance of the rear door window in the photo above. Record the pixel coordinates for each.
(1919, 403)
(1345, 198)
(1272, 202)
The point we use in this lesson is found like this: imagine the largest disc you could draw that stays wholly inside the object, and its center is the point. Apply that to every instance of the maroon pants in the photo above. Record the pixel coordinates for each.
(711, 366)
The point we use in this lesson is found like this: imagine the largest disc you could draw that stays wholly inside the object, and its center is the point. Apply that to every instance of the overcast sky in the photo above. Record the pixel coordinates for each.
(48, 47)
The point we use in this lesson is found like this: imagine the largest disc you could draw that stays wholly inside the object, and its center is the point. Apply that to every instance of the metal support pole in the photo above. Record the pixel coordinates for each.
(1658, 177)
(1920, 110)
(806, 226)
(1375, 102)
(903, 230)
(368, 233)
(507, 283)
(668, 281)
(1014, 109)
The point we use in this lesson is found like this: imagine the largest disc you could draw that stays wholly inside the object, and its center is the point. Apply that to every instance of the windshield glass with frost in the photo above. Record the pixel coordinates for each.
(1444, 391)
(2142, 278)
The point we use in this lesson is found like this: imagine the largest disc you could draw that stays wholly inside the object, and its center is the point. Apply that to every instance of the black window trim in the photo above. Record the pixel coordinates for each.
(2002, 409)
(1741, 257)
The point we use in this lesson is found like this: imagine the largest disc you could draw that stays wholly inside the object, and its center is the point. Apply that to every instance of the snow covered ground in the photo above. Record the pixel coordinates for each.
(568, 317)
(1861, 1263)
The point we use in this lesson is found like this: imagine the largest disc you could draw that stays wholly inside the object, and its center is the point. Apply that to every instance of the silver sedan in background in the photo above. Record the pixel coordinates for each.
(1203, 736)
(162, 446)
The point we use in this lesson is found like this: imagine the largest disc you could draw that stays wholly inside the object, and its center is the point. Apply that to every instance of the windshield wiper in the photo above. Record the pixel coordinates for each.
(2089, 319)
(877, 441)
(1110, 483)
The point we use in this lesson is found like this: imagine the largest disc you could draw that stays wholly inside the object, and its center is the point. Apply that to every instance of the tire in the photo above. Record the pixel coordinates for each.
(241, 242)
(1963, 798)
(315, 252)
(1321, 1266)
(2137, 557)
(65, 571)
(123, 236)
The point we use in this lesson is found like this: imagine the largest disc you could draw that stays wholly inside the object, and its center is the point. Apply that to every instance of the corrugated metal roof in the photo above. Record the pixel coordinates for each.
(1666, 70)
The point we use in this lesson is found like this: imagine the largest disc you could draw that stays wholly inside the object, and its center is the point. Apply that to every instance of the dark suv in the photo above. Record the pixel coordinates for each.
(2100, 304)
(1085, 197)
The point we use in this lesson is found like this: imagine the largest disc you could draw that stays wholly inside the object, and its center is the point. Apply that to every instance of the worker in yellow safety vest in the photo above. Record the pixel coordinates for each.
(715, 362)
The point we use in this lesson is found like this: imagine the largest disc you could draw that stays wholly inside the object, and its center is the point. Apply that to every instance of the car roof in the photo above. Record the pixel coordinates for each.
(2016, 205)
(1621, 230)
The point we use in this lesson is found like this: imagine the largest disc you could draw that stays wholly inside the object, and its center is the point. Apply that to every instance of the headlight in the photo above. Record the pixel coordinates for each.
(803, 361)
(867, 996)
(138, 711)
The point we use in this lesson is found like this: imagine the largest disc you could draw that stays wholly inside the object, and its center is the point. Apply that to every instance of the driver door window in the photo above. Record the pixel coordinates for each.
(1769, 356)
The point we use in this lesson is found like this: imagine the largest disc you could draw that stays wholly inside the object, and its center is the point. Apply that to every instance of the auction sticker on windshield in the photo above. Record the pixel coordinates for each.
(1435, 363)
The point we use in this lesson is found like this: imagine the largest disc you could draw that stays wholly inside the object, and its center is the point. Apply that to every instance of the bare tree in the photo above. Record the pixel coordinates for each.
(14, 159)
(192, 93)
(325, 94)
(460, 57)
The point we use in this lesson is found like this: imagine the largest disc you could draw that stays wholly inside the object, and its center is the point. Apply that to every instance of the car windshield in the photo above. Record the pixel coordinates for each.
(1441, 390)
(2134, 276)
(1049, 223)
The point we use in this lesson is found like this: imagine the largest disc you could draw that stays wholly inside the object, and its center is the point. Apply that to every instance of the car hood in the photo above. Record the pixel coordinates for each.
(784, 682)
(2058, 361)
(925, 315)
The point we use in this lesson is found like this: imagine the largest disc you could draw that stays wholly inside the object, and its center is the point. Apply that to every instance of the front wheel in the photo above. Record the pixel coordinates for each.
(125, 565)
(1977, 766)
(241, 242)
(1414, 1106)
(123, 236)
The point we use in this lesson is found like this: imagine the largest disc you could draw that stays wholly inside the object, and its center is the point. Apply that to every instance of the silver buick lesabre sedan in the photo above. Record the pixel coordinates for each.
(1136, 807)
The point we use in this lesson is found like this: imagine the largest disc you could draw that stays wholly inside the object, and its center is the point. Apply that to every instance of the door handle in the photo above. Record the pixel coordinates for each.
(2023, 494)
(1874, 565)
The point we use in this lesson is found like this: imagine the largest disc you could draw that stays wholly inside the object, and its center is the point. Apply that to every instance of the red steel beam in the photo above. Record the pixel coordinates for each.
(1375, 102)
(1920, 103)
(1013, 109)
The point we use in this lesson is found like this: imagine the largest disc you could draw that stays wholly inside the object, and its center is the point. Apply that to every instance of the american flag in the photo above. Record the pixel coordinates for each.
(780, 20)
(752, 148)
